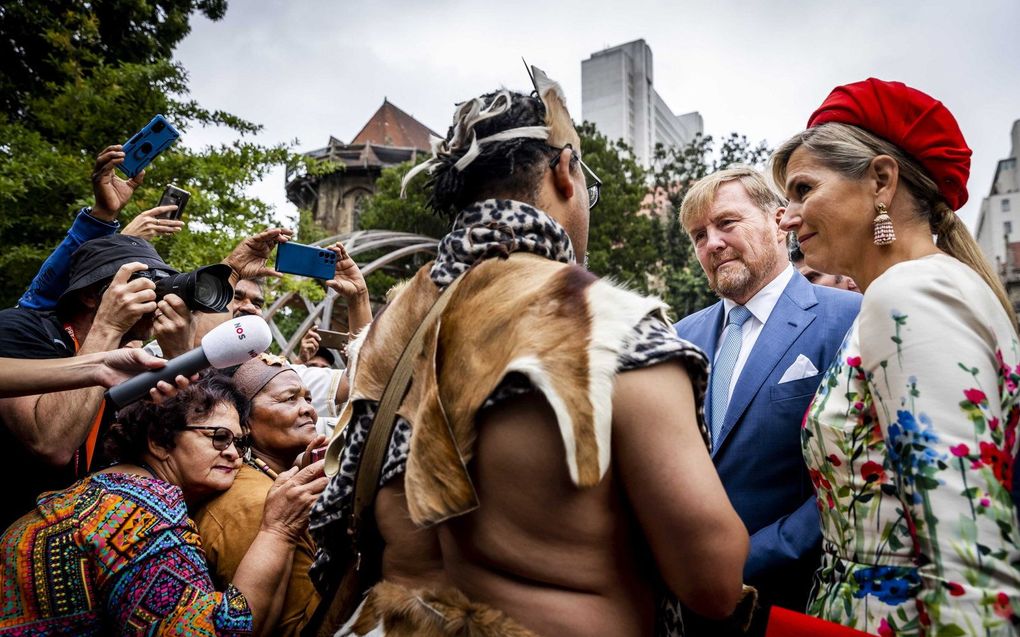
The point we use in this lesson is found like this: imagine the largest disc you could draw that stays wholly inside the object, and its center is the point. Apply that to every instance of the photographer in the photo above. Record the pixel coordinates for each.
(49, 440)
(111, 195)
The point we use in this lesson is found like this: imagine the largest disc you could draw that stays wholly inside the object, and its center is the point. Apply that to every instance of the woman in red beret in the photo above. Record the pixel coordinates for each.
(911, 437)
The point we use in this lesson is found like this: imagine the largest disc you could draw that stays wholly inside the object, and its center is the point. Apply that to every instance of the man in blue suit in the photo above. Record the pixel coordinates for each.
(770, 338)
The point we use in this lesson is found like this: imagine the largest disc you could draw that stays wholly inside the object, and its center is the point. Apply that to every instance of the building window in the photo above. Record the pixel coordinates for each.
(1005, 205)
(1007, 228)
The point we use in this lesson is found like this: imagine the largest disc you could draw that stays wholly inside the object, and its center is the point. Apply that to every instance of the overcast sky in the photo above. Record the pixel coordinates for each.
(308, 69)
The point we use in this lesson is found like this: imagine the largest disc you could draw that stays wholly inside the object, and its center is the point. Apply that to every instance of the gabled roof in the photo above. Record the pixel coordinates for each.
(391, 126)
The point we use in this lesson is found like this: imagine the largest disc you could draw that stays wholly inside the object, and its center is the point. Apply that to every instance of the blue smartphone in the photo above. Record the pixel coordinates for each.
(142, 148)
(295, 258)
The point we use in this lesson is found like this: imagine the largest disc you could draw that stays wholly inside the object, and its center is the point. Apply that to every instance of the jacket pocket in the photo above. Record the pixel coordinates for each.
(796, 388)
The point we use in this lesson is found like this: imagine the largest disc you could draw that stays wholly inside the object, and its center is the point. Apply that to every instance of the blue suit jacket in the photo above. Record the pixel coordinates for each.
(758, 453)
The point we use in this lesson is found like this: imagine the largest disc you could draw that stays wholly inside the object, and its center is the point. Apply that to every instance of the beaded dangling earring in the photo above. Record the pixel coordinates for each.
(884, 232)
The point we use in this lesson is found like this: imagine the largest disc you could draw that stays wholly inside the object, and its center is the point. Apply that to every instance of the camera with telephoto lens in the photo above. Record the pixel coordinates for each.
(205, 289)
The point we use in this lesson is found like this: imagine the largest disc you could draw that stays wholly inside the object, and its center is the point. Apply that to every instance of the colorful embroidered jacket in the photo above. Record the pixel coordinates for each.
(114, 554)
(910, 443)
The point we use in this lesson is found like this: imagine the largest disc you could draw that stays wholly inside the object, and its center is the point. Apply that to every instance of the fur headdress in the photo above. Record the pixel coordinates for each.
(557, 131)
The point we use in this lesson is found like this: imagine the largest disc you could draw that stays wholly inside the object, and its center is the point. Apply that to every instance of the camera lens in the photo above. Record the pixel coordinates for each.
(206, 289)
(209, 289)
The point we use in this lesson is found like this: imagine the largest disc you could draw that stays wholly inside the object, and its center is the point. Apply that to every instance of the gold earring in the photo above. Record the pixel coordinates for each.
(884, 232)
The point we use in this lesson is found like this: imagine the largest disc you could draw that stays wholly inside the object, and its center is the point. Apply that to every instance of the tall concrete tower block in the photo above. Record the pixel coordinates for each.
(618, 95)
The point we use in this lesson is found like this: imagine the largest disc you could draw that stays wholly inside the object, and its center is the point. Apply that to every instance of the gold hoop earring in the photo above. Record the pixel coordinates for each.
(884, 232)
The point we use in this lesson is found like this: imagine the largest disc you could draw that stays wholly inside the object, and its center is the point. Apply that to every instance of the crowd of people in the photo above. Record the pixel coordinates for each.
(514, 446)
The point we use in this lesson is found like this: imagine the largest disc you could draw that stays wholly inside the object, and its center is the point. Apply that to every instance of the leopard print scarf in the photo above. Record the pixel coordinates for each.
(495, 228)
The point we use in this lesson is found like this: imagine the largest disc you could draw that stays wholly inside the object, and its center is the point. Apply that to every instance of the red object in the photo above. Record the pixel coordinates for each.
(914, 121)
(787, 623)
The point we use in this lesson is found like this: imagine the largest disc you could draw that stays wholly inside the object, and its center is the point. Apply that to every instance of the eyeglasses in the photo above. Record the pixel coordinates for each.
(594, 189)
(223, 438)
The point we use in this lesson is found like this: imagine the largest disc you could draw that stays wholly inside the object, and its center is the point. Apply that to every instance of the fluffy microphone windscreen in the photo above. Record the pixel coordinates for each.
(236, 341)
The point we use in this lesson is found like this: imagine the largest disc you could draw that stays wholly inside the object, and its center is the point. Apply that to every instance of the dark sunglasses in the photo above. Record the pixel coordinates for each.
(594, 189)
(222, 438)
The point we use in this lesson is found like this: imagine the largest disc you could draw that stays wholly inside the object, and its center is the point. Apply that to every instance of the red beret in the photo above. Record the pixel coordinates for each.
(914, 121)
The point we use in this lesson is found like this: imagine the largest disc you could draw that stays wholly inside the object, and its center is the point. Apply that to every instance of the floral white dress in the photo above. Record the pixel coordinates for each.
(910, 443)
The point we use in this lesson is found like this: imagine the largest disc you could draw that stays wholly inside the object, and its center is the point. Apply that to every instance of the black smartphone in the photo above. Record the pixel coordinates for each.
(142, 148)
(174, 196)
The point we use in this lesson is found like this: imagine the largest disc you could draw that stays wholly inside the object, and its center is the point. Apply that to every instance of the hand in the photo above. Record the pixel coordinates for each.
(290, 500)
(309, 345)
(305, 458)
(112, 193)
(174, 327)
(124, 302)
(164, 391)
(347, 280)
(117, 366)
(148, 224)
(248, 259)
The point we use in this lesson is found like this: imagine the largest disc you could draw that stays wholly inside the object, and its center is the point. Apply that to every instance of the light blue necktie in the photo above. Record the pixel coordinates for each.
(722, 371)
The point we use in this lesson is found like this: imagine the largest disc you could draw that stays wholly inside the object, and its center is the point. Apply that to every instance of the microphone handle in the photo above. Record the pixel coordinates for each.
(134, 389)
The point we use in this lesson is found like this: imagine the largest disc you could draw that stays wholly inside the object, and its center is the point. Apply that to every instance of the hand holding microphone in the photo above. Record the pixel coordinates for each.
(229, 344)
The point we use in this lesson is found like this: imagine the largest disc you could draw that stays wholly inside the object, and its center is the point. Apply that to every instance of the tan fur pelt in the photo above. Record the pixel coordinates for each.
(557, 324)
(512, 310)
(442, 613)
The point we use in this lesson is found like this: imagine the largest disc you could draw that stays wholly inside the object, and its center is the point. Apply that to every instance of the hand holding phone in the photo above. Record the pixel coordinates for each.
(315, 451)
(146, 144)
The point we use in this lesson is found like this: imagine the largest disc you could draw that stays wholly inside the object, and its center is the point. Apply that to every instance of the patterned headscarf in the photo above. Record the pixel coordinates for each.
(256, 373)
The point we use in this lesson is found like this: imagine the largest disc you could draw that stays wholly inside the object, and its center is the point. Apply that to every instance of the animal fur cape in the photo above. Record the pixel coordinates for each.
(559, 325)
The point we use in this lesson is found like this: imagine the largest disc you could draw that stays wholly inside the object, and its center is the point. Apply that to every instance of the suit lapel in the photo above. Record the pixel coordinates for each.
(713, 327)
(787, 322)
(706, 335)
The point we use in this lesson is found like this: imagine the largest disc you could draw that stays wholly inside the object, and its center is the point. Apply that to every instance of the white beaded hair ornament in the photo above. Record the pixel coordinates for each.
(558, 130)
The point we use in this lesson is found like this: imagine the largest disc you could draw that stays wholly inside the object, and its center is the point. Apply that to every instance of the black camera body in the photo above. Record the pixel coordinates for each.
(204, 289)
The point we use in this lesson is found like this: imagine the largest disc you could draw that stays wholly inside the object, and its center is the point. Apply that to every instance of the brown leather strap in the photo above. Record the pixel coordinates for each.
(331, 612)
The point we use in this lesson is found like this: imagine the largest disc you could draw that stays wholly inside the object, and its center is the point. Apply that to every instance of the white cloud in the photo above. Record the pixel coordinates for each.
(312, 69)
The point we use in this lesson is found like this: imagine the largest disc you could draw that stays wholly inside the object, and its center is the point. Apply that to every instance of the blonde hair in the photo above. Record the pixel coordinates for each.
(702, 194)
(849, 150)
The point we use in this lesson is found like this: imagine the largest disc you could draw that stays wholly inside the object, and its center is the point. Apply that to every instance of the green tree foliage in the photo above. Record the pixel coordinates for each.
(45, 44)
(385, 210)
(621, 236)
(86, 86)
(684, 285)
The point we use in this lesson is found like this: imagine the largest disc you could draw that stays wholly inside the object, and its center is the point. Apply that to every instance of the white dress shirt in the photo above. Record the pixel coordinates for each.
(760, 306)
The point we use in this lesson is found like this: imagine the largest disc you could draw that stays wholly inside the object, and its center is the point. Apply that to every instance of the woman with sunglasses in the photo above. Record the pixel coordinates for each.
(282, 425)
(116, 553)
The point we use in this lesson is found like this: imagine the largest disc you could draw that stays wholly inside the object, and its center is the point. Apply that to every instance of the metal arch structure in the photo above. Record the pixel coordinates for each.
(399, 245)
